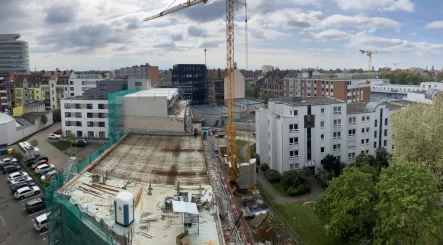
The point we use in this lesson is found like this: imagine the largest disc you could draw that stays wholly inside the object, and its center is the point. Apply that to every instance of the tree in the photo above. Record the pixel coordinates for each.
(56, 115)
(439, 77)
(364, 159)
(388, 75)
(382, 158)
(408, 206)
(266, 97)
(34, 142)
(332, 164)
(417, 132)
(347, 206)
(71, 137)
(43, 119)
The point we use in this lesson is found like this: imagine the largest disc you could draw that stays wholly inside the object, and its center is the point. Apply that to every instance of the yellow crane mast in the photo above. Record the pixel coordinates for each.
(230, 125)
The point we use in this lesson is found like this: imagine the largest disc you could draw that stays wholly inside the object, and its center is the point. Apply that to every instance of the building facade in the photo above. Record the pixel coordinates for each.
(191, 80)
(85, 118)
(145, 71)
(14, 54)
(299, 132)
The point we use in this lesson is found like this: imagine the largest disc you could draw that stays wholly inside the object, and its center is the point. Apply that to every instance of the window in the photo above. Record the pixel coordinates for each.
(386, 121)
(90, 124)
(101, 106)
(337, 123)
(351, 132)
(367, 151)
(363, 118)
(83, 82)
(375, 123)
(367, 118)
(385, 142)
(78, 123)
(337, 135)
(89, 115)
(291, 166)
(101, 134)
(337, 110)
(79, 134)
(322, 111)
(322, 149)
(351, 156)
(293, 141)
(367, 130)
(375, 144)
(90, 134)
(72, 94)
(367, 141)
(375, 134)
(294, 113)
(78, 106)
(67, 114)
(78, 115)
(386, 132)
(67, 106)
(101, 124)
(101, 115)
(336, 147)
(363, 142)
(322, 124)
(362, 130)
(322, 137)
(68, 123)
(352, 120)
(102, 86)
(293, 154)
(293, 127)
(138, 84)
(71, 89)
(88, 106)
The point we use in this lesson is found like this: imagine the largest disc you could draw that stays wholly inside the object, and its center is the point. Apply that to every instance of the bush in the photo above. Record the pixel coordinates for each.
(291, 178)
(264, 167)
(325, 177)
(297, 190)
(272, 175)
(305, 172)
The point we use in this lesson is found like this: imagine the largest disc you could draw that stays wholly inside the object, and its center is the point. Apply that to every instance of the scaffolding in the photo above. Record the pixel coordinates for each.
(67, 225)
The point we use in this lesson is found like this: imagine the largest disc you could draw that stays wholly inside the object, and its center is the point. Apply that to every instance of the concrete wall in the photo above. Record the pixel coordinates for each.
(145, 106)
(239, 85)
(155, 124)
(141, 84)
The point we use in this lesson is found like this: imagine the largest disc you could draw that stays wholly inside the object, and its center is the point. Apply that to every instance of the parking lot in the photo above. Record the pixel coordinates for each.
(16, 225)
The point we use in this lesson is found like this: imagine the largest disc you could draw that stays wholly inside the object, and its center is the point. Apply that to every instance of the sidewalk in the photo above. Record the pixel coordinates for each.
(316, 190)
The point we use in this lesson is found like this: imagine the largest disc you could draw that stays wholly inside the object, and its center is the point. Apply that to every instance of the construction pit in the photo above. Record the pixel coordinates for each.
(156, 170)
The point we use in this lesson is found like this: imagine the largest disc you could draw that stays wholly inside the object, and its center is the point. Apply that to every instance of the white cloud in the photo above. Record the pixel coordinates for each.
(434, 25)
(306, 40)
(332, 34)
(321, 50)
(371, 23)
(385, 5)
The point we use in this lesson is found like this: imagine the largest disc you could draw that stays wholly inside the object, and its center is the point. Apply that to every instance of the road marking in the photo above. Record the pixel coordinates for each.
(43, 233)
(39, 212)
(35, 196)
(3, 221)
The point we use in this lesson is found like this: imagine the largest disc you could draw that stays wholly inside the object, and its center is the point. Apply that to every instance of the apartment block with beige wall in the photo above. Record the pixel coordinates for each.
(356, 90)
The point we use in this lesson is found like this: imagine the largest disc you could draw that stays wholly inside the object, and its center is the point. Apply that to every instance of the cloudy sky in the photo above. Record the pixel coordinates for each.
(109, 34)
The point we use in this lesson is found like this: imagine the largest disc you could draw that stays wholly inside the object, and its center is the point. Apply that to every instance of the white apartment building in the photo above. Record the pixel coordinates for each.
(397, 91)
(299, 132)
(85, 118)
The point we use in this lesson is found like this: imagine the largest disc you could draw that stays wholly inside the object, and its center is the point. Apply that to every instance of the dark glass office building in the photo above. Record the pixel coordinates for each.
(191, 80)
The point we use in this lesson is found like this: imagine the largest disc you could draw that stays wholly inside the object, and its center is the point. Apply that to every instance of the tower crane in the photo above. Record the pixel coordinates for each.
(369, 54)
(230, 125)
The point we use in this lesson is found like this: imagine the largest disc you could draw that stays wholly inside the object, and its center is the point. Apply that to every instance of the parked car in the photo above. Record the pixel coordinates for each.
(35, 205)
(30, 161)
(44, 168)
(16, 175)
(38, 163)
(8, 159)
(58, 131)
(41, 223)
(80, 143)
(54, 136)
(21, 179)
(26, 191)
(42, 158)
(49, 176)
(10, 169)
(19, 185)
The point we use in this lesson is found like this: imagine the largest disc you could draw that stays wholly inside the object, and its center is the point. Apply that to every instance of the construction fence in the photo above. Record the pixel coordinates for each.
(67, 225)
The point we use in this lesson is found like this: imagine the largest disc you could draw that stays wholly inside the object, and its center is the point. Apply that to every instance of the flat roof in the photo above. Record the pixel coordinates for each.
(211, 110)
(246, 101)
(356, 108)
(397, 104)
(5, 118)
(156, 92)
(305, 101)
(160, 159)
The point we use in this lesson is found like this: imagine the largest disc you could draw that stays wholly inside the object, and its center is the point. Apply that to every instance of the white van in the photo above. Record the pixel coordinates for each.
(41, 223)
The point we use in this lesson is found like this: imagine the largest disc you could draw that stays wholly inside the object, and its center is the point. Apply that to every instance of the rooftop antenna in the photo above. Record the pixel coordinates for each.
(205, 57)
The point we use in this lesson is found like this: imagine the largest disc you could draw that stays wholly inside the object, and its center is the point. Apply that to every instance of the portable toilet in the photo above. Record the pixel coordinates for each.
(124, 208)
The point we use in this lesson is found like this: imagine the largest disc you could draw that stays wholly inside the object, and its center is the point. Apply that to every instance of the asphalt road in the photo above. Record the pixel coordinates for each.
(16, 226)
